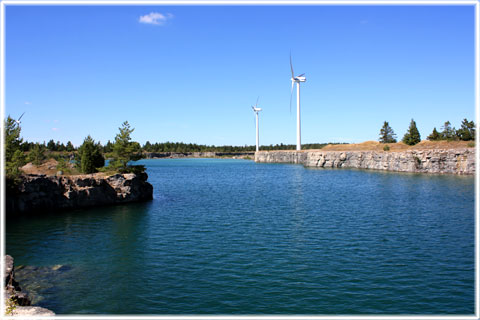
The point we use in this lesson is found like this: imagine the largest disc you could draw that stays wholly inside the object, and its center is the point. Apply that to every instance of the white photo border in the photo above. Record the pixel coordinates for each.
(475, 3)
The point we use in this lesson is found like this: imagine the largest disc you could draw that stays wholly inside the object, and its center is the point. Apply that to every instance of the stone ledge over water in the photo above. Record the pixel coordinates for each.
(49, 193)
(452, 161)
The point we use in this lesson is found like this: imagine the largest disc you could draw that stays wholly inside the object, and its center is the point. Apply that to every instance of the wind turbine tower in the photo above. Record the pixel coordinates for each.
(297, 80)
(256, 110)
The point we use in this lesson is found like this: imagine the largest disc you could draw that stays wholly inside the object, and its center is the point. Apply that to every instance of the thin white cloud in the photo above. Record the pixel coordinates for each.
(55, 129)
(155, 18)
(28, 102)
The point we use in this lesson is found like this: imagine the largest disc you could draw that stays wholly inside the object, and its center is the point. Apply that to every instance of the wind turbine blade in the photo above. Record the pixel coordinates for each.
(301, 75)
(257, 101)
(291, 66)
(20, 117)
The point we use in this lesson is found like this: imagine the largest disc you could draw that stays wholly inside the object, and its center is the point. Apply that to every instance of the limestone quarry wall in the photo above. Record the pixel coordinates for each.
(451, 161)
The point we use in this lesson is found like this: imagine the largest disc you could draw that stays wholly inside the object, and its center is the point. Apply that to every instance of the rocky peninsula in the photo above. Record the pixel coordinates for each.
(450, 161)
(40, 192)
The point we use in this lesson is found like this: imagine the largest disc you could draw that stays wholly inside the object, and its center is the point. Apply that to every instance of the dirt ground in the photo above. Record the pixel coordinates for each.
(49, 167)
(399, 146)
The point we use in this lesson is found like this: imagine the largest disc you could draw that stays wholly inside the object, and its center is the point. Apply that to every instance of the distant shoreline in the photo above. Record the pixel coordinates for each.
(178, 155)
(437, 161)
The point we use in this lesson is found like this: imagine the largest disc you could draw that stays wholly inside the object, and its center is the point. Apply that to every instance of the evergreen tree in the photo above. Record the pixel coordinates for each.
(466, 131)
(435, 135)
(412, 136)
(147, 146)
(12, 138)
(51, 145)
(69, 147)
(124, 150)
(386, 134)
(89, 156)
(108, 147)
(14, 156)
(14, 161)
(59, 146)
(37, 154)
(448, 132)
(12, 167)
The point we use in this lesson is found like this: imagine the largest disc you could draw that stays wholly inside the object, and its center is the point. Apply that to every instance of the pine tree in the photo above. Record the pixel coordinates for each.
(69, 147)
(89, 156)
(14, 156)
(466, 131)
(108, 147)
(12, 138)
(435, 135)
(147, 146)
(51, 145)
(37, 154)
(448, 132)
(412, 136)
(124, 150)
(386, 134)
(59, 146)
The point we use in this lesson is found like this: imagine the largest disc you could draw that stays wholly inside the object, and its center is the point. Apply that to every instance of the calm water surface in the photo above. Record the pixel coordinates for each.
(235, 237)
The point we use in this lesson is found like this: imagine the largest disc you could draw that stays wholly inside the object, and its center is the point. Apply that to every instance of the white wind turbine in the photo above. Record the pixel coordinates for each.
(18, 121)
(257, 110)
(297, 79)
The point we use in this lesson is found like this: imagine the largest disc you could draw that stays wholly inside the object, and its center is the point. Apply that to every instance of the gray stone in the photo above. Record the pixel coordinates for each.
(47, 193)
(451, 161)
(31, 311)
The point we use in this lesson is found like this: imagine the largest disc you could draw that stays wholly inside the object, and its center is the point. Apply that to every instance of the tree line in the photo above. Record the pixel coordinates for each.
(91, 155)
(466, 132)
(87, 158)
(193, 147)
(180, 147)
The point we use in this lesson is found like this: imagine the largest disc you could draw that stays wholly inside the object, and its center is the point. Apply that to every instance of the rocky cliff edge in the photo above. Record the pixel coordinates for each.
(50, 193)
(451, 161)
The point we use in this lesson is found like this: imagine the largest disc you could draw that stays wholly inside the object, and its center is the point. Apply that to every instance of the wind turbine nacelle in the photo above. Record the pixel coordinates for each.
(300, 79)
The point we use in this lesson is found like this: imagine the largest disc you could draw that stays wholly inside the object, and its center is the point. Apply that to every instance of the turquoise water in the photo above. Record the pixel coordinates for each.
(236, 237)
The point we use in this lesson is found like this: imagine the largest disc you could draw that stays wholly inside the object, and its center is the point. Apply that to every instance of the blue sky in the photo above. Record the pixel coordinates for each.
(191, 73)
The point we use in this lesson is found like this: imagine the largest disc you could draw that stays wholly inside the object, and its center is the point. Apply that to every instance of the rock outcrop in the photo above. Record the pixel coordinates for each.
(50, 193)
(452, 161)
(17, 302)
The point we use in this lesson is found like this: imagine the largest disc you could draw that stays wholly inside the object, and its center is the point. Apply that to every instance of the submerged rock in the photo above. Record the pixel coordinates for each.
(37, 282)
(18, 302)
